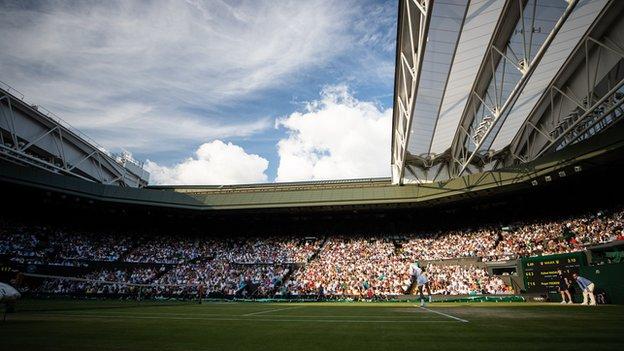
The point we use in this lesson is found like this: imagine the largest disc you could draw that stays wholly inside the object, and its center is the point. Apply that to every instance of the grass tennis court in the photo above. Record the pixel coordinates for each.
(118, 325)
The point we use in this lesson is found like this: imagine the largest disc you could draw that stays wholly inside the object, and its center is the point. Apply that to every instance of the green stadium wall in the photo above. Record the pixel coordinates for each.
(608, 278)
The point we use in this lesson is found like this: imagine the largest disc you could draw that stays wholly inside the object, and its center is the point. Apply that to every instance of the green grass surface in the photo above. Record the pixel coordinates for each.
(115, 325)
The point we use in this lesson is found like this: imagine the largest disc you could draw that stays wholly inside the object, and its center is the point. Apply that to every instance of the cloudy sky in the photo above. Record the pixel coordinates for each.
(214, 92)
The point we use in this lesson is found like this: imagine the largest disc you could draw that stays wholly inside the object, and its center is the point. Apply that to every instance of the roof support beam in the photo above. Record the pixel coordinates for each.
(582, 100)
(612, 100)
(32, 135)
(527, 72)
(414, 24)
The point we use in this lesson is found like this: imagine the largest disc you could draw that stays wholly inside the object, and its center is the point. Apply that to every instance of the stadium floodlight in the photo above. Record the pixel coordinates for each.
(534, 182)
(577, 169)
(562, 174)
(548, 178)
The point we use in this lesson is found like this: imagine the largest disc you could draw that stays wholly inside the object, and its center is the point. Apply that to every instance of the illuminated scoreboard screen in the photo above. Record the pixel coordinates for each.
(540, 273)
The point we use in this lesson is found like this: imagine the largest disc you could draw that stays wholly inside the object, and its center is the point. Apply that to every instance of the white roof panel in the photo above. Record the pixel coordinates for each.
(445, 25)
(479, 25)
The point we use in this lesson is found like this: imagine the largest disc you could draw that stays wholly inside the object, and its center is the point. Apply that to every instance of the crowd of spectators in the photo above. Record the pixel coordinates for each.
(120, 281)
(271, 250)
(266, 250)
(504, 242)
(88, 246)
(19, 240)
(353, 266)
(167, 249)
(374, 265)
(212, 277)
(42, 244)
(566, 235)
(451, 244)
(223, 277)
(464, 280)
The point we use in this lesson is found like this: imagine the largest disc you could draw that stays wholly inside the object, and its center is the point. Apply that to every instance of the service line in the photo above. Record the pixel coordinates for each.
(442, 314)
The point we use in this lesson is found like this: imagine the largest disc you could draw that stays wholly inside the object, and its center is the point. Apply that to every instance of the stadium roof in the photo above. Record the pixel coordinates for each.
(486, 84)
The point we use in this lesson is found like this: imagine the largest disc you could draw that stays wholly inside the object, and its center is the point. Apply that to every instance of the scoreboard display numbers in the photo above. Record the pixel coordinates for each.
(541, 272)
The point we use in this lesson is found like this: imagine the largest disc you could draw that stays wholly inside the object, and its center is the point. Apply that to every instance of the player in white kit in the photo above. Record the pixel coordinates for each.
(421, 280)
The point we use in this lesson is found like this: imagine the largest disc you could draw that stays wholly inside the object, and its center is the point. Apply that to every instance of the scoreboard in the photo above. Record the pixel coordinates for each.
(540, 272)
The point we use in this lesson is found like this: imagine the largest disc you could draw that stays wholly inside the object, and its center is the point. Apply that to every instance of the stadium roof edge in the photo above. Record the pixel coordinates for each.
(277, 185)
(591, 153)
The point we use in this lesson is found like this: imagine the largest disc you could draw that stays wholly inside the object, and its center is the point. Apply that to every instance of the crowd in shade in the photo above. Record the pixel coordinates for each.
(58, 246)
(216, 277)
(167, 249)
(223, 277)
(104, 281)
(266, 250)
(275, 250)
(372, 265)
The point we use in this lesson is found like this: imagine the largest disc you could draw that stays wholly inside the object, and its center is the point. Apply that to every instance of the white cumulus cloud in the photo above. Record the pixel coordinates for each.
(336, 137)
(214, 163)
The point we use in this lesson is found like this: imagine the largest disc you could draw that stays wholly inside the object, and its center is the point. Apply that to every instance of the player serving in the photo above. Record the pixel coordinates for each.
(418, 275)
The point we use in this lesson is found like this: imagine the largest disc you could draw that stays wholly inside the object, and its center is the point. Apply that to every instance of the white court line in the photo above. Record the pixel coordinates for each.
(272, 310)
(442, 314)
(77, 316)
(166, 314)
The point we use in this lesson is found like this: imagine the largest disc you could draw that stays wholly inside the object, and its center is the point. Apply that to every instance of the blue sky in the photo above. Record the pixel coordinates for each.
(214, 92)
